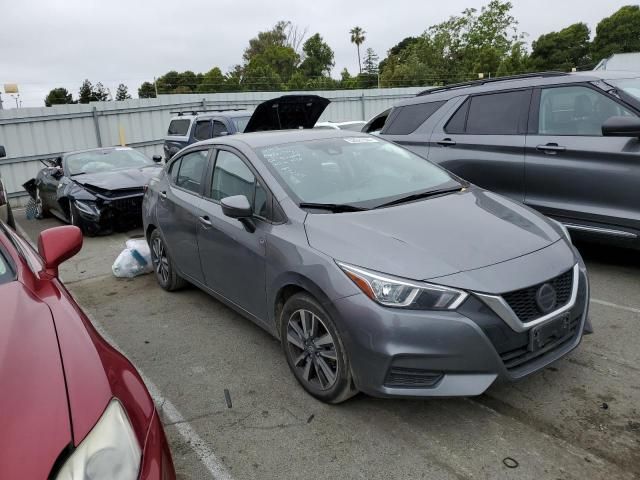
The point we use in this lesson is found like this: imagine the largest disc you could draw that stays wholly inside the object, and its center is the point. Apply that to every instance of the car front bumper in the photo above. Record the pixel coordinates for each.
(408, 353)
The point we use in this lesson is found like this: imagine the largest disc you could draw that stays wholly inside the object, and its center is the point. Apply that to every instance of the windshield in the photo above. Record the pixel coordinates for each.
(361, 171)
(240, 123)
(627, 85)
(105, 161)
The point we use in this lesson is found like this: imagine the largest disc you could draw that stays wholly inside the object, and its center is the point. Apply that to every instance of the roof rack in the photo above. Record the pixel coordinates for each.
(195, 112)
(475, 83)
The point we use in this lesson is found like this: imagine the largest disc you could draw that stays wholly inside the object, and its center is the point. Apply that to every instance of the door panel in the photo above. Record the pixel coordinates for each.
(178, 211)
(573, 172)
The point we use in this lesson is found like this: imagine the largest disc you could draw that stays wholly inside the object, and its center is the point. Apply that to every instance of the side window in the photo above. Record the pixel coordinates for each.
(192, 168)
(173, 170)
(219, 128)
(202, 130)
(575, 110)
(457, 123)
(231, 176)
(405, 120)
(497, 114)
(179, 127)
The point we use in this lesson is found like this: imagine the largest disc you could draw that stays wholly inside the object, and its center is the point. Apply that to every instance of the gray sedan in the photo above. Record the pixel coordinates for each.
(379, 271)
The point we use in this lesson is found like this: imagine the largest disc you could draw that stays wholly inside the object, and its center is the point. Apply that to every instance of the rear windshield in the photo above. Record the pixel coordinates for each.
(240, 123)
(6, 270)
(179, 127)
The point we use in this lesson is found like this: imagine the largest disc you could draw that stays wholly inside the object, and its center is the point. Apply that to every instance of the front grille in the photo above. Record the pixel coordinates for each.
(402, 377)
(523, 302)
(127, 206)
(518, 357)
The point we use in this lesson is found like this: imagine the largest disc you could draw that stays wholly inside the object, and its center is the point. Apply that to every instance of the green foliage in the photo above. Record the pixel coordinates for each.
(122, 93)
(619, 33)
(562, 50)
(147, 90)
(84, 94)
(260, 77)
(58, 96)
(318, 57)
(92, 93)
(213, 81)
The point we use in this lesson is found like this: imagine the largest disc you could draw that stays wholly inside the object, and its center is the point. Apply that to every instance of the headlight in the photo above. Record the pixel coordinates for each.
(563, 228)
(397, 292)
(87, 207)
(110, 450)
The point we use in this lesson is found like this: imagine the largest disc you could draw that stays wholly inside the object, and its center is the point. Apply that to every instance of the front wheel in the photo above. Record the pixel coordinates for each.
(314, 350)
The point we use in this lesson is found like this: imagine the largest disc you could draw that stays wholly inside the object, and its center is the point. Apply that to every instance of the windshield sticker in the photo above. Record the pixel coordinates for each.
(361, 140)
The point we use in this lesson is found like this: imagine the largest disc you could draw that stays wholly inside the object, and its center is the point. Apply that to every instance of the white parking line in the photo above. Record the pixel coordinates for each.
(171, 413)
(615, 305)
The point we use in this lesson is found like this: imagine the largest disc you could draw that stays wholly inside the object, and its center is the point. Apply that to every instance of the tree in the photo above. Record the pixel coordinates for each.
(58, 96)
(619, 33)
(99, 93)
(122, 93)
(397, 49)
(168, 82)
(271, 53)
(212, 81)
(188, 81)
(357, 37)
(85, 93)
(147, 90)
(318, 57)
(562, 50)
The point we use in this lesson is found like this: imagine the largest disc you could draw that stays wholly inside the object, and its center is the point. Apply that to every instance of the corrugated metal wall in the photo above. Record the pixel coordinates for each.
(31, 134)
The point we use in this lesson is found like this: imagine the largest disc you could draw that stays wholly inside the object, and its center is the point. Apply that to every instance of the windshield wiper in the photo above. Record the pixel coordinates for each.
(420, 196)
(332, 207)
(78, 173)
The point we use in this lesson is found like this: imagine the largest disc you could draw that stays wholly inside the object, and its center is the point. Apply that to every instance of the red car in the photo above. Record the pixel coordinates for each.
(71, 406)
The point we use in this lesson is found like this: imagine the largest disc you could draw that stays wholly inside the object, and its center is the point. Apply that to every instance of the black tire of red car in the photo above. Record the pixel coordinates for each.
(314, 350)
(163, 267)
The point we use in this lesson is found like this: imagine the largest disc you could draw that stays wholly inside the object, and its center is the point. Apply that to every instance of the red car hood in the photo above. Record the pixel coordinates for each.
(34, 412)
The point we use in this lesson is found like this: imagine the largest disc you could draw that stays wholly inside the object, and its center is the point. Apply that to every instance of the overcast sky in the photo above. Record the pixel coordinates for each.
(50, 43)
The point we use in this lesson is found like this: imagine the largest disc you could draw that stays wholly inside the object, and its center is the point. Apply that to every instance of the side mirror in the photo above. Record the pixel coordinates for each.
(157, 158)
(57, 245)
(621, 127)
(239, 207)
(3, 152)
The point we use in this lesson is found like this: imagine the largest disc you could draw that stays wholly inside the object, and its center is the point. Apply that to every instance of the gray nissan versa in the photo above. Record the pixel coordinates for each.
(566, 144)
(379, 271)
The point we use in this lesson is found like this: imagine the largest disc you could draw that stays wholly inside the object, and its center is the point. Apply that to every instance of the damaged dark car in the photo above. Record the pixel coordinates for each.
(97, 190)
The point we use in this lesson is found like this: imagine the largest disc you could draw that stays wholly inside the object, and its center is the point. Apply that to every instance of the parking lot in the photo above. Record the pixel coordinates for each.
(578, 419)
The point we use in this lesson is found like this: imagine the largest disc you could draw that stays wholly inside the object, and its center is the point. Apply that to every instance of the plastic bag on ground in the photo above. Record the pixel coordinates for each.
(134, 260)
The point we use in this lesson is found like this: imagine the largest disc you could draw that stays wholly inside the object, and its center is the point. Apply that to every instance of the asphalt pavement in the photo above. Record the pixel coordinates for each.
(578, 419)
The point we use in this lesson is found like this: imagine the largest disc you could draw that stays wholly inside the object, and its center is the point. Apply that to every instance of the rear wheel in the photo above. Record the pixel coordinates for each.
(163, 267)
(314, 350)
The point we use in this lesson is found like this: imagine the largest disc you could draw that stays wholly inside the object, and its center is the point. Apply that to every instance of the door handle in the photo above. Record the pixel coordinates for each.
(206, 223)
(446, 142)
(163, 195)
(550, 148)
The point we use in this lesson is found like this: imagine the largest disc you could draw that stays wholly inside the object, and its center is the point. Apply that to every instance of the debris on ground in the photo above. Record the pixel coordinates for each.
(510, 462)
(134, 260)
(227, 398)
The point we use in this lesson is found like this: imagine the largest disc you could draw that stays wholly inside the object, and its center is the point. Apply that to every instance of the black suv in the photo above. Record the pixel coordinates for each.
(285, 112)
(566, 144)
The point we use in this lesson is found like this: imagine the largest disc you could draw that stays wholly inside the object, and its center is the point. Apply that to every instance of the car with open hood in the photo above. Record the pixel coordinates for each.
(72, 406)
(378, 270)
(97, 190)
(285, 112)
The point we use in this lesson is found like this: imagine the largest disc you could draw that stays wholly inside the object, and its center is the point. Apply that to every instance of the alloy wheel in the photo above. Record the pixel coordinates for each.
(312, 349)
(160, 260)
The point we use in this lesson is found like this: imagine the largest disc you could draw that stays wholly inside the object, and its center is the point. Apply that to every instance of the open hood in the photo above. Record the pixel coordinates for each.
(287, 112)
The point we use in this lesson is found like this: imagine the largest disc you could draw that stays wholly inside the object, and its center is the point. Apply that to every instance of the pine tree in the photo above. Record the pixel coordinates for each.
(86, 89)
(122, 93)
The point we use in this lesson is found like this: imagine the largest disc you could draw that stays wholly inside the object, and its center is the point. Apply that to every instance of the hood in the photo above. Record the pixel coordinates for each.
(287, 112)
(34, 421)
(433, 237)
(118, 179)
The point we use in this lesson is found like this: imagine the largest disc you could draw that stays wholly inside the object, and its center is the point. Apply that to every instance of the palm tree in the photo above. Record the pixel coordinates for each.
(357, 37)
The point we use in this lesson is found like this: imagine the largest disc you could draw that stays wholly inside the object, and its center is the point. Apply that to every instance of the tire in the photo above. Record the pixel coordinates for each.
(10, 220)
(163, 267)
(314, 350)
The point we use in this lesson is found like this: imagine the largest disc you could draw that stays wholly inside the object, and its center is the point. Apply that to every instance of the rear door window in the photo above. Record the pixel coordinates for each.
(498, 113)
(179, 127)
(405, 120)
(202, 130)
(191, 170)
(576, 110)
(219, 128)
(458, 122)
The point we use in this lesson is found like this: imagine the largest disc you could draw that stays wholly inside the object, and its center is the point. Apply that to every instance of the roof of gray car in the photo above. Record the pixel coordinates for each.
(278, 137)
(509, 83)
